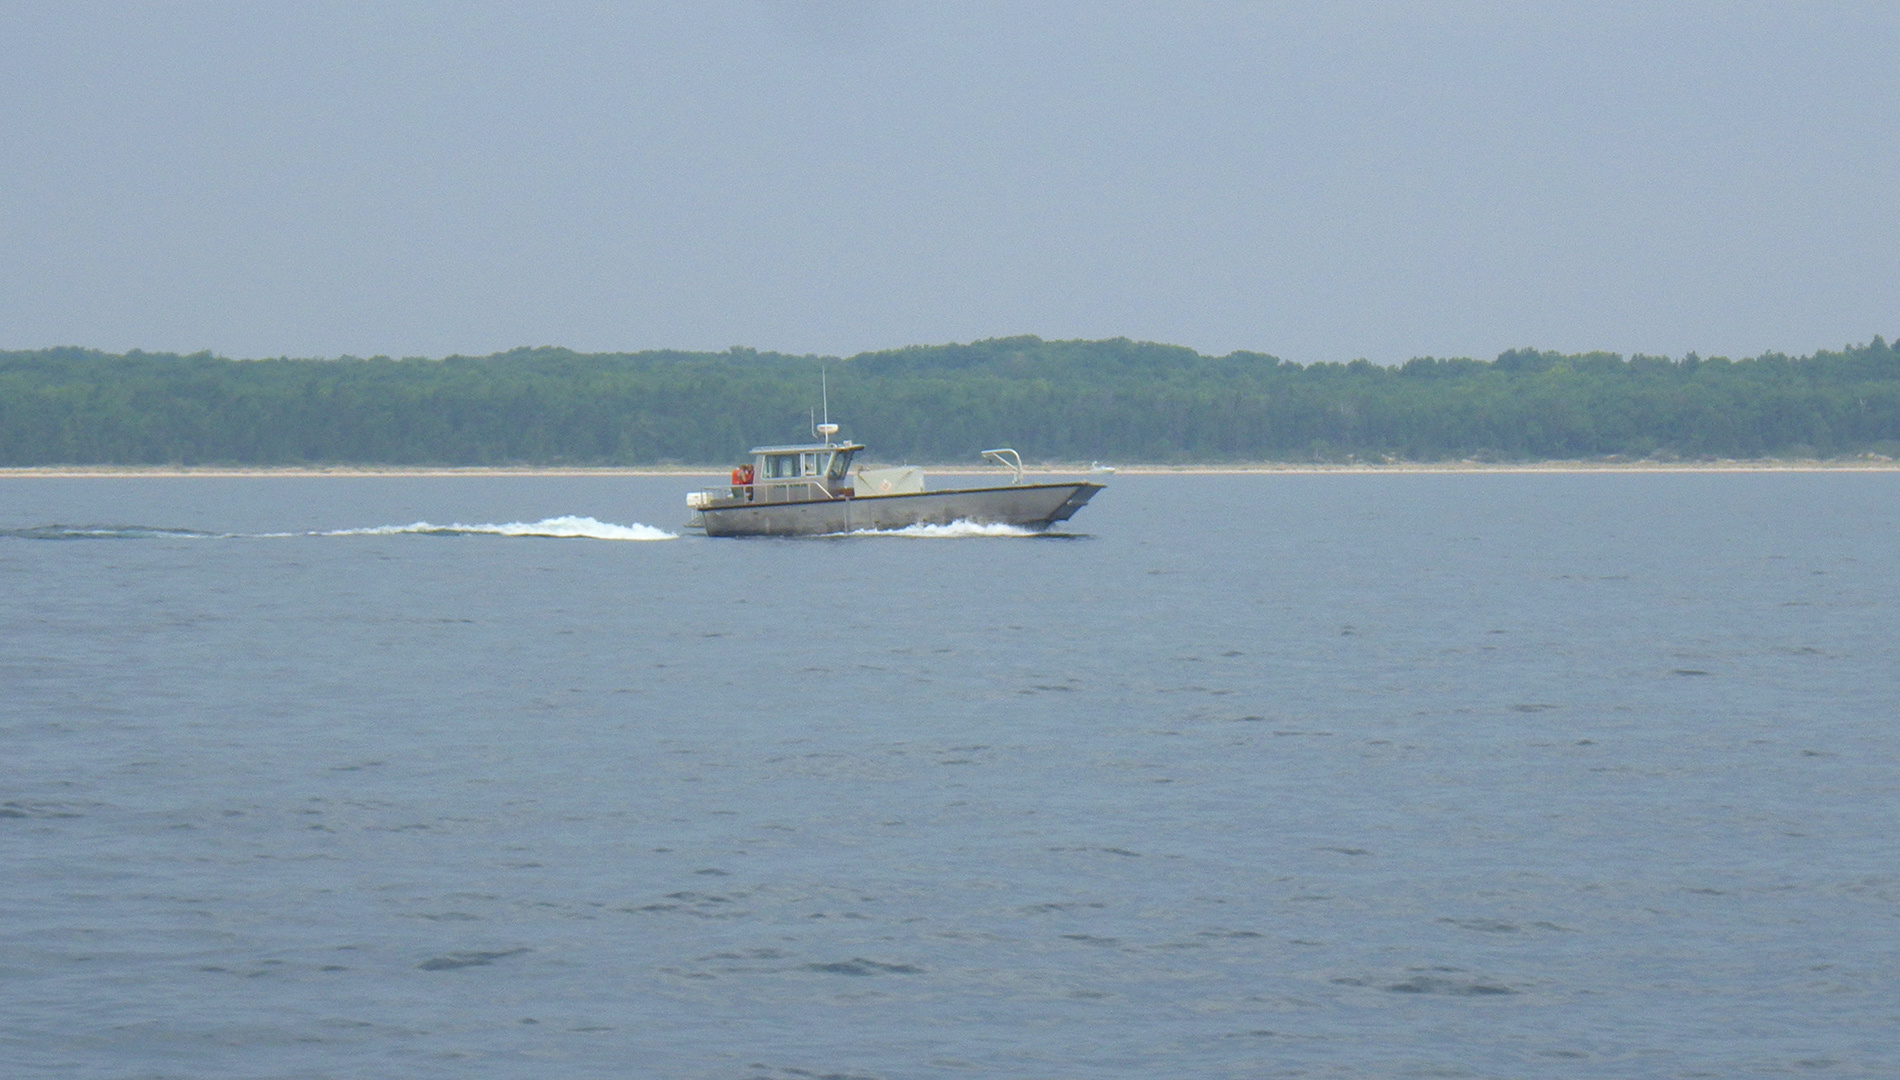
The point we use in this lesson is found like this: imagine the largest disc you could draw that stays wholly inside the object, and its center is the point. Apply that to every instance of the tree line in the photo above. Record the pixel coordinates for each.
(1115, 400)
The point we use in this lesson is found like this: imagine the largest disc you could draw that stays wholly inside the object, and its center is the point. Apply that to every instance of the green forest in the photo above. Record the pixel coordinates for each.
(1063, 401)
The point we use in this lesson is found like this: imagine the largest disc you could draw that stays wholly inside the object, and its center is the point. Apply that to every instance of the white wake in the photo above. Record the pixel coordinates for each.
(956, 530)
(566, 528)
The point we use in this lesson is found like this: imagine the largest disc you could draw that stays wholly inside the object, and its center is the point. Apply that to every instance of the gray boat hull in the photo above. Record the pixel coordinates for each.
(1030, 506)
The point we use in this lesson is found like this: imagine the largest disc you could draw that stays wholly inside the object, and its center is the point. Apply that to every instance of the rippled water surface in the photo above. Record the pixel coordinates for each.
(1340, 776)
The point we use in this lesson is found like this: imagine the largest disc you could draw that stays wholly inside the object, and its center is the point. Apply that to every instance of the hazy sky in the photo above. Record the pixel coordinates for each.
(1318, 181)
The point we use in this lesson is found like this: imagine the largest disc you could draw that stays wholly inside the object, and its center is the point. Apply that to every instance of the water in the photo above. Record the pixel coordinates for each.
(1340, 776)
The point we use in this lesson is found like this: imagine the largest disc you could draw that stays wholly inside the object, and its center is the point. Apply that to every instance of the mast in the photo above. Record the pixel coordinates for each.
(827, 429)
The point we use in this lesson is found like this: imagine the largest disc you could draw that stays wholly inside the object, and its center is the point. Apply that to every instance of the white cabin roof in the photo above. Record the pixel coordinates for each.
(805, 447)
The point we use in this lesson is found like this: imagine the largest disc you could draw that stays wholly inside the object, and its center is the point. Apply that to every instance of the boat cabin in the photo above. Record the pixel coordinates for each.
(795, 473)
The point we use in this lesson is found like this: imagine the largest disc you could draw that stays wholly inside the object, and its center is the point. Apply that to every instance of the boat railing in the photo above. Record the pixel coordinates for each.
(1005, 456)
(811, 489)
(814, 487)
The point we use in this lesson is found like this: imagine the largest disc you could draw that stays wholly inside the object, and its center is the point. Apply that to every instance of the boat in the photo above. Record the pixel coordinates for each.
(811, 489)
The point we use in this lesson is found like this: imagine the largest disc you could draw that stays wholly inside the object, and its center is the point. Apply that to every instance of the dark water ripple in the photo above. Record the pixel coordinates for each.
(1266, 776)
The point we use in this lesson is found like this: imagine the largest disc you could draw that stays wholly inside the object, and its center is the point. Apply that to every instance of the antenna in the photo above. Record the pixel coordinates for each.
(827, 429)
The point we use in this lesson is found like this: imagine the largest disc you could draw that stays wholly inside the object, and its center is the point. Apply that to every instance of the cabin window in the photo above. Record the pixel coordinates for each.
(840, 461)
(811, 464)
(780, 466)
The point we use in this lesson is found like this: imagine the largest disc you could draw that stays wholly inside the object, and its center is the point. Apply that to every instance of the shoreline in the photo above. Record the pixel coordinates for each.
(66, 472)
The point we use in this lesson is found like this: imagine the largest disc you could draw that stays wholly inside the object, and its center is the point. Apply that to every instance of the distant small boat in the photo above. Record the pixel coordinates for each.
(809, 489)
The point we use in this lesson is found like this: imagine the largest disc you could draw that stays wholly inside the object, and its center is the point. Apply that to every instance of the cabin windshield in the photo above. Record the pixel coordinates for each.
(798, 464)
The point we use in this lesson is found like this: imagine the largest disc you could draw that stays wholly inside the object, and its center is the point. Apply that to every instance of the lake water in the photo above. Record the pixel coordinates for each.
(1297, 775)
